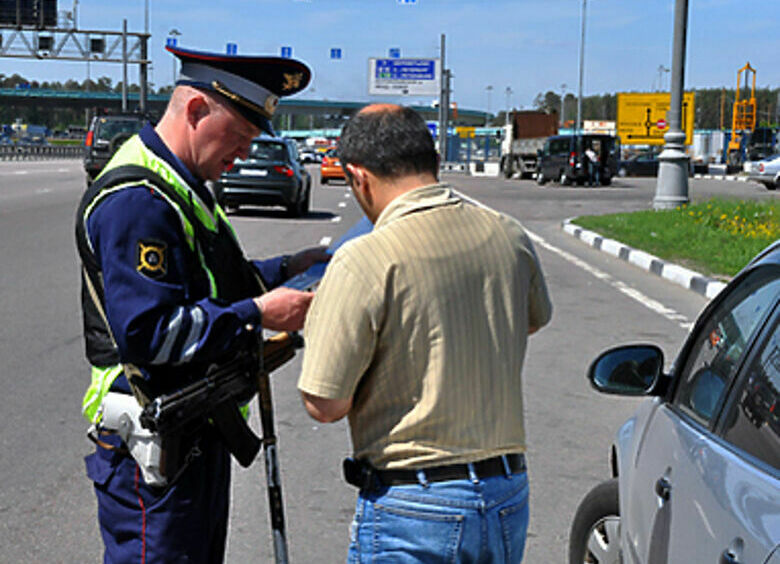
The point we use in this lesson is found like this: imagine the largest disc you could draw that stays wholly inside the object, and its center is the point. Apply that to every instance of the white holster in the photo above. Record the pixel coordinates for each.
(120, 414)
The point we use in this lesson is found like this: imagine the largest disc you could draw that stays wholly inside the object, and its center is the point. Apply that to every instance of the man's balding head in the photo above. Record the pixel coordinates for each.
(389, 140)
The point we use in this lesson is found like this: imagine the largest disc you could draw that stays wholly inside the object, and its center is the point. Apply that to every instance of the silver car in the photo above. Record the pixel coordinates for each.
(766, 171)
(696, 470)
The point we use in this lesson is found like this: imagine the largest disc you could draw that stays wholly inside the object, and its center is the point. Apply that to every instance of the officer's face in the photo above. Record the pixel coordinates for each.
(223, 136)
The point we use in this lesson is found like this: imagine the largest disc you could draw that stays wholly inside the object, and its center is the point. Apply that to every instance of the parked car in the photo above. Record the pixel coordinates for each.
(563, 158)
(104, 136)
(330, 167)
(766, 171)
(696, 470)
(641, 164)
(272, 175)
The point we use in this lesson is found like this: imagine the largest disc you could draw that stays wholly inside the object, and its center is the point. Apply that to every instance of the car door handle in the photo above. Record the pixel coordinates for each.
(663, 488)
(732, 554)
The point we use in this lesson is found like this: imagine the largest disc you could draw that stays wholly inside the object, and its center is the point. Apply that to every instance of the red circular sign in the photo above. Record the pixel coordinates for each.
(661, 124)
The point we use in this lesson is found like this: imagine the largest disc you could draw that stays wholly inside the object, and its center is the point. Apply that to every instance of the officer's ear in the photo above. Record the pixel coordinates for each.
(197, 108)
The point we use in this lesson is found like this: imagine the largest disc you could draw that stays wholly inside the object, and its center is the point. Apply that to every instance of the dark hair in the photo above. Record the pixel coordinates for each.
(390, 143)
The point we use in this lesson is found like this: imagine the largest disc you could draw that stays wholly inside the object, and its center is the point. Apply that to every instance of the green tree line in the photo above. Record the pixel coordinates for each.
(714, 106)
(54, 117)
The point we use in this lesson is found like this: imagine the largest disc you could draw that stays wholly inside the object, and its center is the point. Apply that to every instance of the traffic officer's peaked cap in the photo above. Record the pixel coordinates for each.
(252, 84)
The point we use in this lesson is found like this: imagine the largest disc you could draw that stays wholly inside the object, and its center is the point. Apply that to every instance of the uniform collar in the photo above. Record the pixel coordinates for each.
(425, 197)
(155, 144)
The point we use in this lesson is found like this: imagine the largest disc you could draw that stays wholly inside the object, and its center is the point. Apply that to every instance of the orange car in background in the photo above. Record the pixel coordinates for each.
(330, 167)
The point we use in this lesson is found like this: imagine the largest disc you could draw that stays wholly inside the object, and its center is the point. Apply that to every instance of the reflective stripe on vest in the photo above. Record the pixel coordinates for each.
(134, 151)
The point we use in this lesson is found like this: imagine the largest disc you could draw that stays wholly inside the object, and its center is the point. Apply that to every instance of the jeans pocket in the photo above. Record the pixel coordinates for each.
(514, 527)
(409, 535)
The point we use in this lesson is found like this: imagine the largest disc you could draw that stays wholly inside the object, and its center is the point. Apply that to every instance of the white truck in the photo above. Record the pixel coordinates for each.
(522, 138)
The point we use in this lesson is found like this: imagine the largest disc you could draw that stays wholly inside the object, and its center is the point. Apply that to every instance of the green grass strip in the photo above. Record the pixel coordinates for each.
(717, 237)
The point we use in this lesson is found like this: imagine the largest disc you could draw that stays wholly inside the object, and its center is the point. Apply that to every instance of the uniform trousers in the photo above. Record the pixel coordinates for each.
(183, 522)
(459, 521)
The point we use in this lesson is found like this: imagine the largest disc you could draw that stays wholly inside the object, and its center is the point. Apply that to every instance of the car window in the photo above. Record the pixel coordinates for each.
(753, 420)
(264, 151)
(714, 356)
(108, 128)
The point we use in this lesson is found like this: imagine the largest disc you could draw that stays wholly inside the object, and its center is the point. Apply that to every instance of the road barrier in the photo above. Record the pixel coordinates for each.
(40, 152)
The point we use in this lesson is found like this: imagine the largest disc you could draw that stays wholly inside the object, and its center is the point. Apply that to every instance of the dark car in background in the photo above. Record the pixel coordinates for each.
(105, 135)
(271, 175)
(640, 164)
(563, 158)
(695, 472)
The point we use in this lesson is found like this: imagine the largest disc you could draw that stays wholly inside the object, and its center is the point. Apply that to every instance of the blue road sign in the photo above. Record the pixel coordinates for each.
(335, 53)
(406, 69)
(170, 42)
(407, 1)
(433, 127)
(287, 52)
(231, 48)
(395, 53)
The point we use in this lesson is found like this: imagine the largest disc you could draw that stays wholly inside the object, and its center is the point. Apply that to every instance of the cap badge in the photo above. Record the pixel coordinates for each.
(292, 81)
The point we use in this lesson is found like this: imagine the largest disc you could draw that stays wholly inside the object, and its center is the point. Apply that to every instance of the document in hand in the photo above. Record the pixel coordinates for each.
(309, 279)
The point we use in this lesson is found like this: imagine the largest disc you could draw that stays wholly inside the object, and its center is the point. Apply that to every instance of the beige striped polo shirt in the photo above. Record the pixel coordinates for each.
(425, 321)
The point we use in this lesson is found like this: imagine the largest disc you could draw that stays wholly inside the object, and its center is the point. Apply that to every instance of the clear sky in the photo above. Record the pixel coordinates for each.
(529, 46)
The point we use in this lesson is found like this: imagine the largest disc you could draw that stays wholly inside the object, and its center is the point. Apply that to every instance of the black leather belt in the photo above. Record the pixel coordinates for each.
(362, 475)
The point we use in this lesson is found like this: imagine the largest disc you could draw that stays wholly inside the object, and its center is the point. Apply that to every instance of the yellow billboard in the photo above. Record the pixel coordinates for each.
(642, 119)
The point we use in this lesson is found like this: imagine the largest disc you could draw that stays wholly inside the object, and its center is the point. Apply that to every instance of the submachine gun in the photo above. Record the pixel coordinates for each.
(217, 397)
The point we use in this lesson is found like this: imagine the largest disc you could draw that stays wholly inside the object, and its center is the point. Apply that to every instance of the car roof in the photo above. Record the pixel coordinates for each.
(770, 255)
(269, 139)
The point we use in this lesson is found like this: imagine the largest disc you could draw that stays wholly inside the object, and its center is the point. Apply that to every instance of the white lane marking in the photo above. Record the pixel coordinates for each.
(346, 194)
(43, 190)
(336, 219)
(63, 170)
(342, 204)
(325, 241)
(21, 172)
(620, 286)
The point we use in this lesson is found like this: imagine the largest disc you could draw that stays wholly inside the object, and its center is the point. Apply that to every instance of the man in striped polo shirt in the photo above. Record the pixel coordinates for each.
(418, 334)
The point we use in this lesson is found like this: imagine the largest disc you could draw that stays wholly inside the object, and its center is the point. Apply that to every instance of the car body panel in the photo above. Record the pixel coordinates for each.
(766, 171)
(639, 165)
(693, 487)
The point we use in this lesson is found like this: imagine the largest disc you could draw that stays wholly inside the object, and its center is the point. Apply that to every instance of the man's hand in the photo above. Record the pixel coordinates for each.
(302, 260)
(284, 309)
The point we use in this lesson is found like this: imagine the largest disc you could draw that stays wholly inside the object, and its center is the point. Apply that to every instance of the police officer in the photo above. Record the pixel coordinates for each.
(167, 292)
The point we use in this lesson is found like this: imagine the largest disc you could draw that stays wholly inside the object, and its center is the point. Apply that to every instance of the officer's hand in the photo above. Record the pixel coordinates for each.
(284, 309)
(302, 260)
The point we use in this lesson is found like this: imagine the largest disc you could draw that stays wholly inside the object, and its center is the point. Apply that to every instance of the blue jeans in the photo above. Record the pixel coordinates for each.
(453, 521)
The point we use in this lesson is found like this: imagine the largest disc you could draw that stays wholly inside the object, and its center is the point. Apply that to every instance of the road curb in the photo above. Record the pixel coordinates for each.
(670, 271)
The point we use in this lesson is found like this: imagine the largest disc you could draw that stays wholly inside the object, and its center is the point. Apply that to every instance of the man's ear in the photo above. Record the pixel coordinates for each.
(197, 109)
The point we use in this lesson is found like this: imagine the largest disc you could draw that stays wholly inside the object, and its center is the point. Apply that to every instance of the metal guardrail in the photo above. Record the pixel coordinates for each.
(40, 152)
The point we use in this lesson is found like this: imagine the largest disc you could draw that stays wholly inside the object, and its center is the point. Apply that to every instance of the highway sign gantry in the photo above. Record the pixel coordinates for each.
(642, 118)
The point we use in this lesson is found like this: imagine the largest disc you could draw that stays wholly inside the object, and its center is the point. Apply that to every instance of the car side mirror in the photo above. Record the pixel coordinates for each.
(630, 370)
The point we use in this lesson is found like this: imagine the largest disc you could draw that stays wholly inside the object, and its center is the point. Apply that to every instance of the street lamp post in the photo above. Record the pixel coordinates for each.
(489, 89)
(578, 126)
(174, 33)
(563, 95)
(508, 93)
(672, 185)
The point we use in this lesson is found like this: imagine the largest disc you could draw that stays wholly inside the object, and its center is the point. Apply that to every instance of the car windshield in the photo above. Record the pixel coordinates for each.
(108, 128)
(332, 153)
(264, 151)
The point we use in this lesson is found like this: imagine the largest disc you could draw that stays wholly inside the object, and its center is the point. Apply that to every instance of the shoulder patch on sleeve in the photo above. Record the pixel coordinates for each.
(151, 258)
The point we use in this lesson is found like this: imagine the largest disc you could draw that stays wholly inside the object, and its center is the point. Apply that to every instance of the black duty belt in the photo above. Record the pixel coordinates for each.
(362, 475)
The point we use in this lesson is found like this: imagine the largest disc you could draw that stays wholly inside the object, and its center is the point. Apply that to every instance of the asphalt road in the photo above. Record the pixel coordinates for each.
(47, 508)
